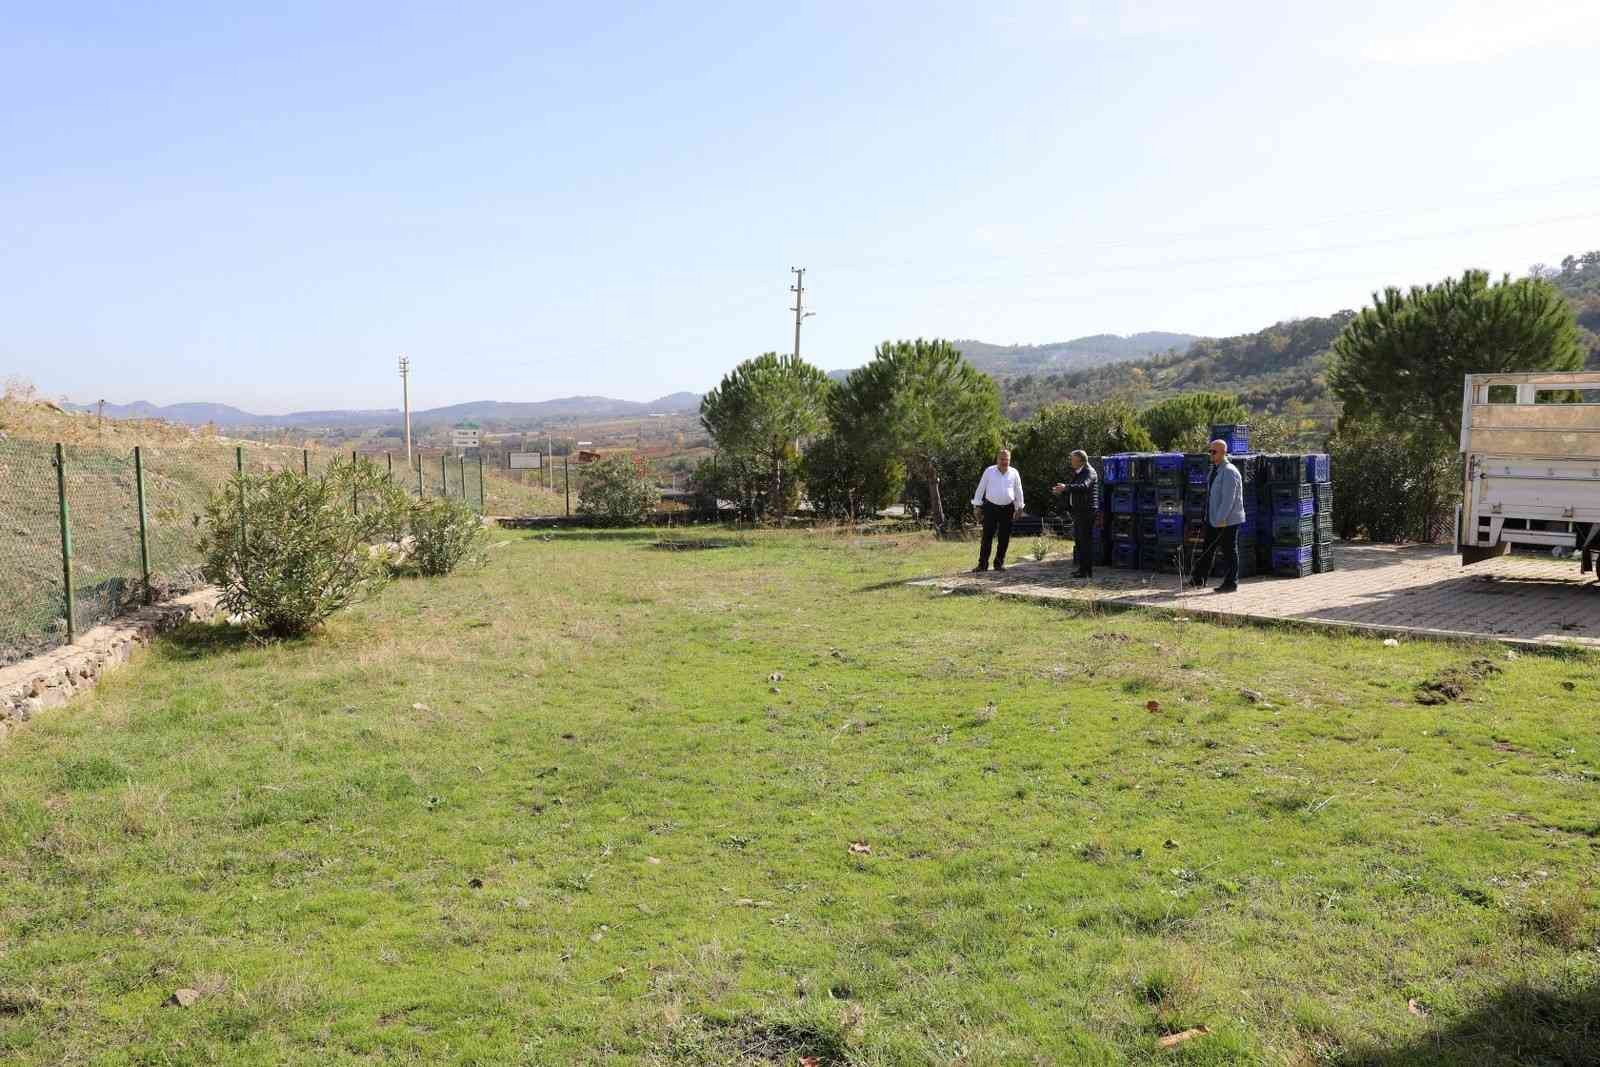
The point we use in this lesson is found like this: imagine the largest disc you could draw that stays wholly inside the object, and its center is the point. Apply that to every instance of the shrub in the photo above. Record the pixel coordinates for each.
(381, 506)
(285, 551)
(444, 534)
(1390, 485)
(617, 489)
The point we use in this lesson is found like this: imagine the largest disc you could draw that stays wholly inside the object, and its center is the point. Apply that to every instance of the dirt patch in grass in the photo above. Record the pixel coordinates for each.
(697, 544)
(1451, 684)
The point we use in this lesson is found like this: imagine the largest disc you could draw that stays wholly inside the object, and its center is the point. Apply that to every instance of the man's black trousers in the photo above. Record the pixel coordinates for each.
(1083, 545)
(996, 519)
(1226, 538)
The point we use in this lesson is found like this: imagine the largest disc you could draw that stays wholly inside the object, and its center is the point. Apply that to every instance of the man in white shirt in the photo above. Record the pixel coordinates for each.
(997, 501)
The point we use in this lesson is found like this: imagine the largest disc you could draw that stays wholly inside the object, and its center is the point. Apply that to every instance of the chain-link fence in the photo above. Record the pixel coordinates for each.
(103, 530)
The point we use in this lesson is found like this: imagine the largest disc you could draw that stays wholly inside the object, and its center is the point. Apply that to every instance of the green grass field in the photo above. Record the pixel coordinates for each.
(762, 804)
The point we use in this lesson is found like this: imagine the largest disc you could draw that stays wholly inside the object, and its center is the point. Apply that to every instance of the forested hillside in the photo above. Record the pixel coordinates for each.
(1579, 279)
(1003, 361)
(1281, 369)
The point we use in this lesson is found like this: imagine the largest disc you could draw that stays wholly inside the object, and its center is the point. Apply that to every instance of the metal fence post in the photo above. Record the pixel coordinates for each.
(355, 495)
(463, 479)
(419, 476)
(566, 468)
(305, 462)
(66, 538)
(480, 482)
(444, 475)
(388, 458)
(144, 525)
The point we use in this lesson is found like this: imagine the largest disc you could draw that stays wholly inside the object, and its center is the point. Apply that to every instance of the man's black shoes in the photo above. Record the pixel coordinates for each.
(979, 570)
(999, 566)
(1227, 587)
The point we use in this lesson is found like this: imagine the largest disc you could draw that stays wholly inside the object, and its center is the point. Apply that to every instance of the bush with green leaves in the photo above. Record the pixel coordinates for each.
(379, 504)
(286, 552)
(444, 534)
(1390, 485)
(617, 489)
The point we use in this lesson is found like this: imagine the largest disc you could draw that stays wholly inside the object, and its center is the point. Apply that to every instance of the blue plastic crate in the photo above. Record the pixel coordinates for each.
(1114, 468)
(1167, 468)
(1124, 501)
(1169, 500)
(1293, 531)
(1197, 469)
(1322, 559)
(1147, 529)
(1169, 529)
(1147, 500)
(1236, 434)
(1194, 503)
(1124, 554)
(1292, 500)
(1283, 468)
(1317, 468)
(1124, 528)
(1294, 561)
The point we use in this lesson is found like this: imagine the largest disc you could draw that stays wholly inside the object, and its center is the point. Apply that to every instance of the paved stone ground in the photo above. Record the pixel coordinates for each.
(1415, 589)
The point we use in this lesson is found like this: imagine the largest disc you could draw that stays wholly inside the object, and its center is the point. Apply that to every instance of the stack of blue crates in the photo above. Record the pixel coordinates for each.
(1296, 514)
(1321, 474)
(1156, 504)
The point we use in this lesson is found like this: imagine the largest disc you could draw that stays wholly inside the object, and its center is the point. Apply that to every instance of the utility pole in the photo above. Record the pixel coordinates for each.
(405, 393)
(800, 313)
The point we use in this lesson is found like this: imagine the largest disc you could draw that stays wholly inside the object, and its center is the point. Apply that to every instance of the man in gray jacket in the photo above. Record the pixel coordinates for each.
(1224, 516)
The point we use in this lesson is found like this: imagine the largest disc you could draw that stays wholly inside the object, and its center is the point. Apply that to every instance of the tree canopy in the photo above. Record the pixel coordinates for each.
(1403, 359)
(1182, 423)
(762, 410)
(1043, 445)
(920, 402)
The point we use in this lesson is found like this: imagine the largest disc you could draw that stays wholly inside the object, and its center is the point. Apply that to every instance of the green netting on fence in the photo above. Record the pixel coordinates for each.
(102, 501)
(103, 515)
(178, 481)
(30, 551)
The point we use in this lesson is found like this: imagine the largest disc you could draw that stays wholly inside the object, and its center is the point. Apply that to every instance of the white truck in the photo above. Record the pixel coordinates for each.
(1532, 474)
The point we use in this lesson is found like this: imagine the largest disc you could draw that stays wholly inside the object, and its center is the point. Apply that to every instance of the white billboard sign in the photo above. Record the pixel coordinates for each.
(523, 461)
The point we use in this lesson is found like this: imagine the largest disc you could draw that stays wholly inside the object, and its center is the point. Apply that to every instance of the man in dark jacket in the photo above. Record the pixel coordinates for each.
(1083, 500)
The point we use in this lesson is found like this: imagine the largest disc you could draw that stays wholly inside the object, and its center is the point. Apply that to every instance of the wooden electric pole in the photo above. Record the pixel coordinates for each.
(405, 394)
(800, 313)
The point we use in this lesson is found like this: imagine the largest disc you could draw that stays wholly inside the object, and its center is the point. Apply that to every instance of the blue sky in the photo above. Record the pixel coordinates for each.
(540, 200)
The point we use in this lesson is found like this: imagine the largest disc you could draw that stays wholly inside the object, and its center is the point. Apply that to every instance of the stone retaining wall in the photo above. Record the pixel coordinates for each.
(50, 680)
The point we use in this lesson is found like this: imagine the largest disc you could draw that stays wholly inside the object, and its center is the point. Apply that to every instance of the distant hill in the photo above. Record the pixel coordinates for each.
(1004, 361)
(1579, 280)
(1281, 369)
(488, 411)
(1055, 357)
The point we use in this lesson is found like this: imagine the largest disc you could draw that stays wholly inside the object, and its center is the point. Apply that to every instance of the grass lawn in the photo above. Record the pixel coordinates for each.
(601, 802)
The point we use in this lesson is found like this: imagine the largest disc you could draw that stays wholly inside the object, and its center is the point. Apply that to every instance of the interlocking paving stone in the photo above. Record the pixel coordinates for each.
(1418, 589)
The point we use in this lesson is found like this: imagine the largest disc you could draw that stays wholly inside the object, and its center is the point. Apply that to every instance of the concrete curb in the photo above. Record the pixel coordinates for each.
(50, 680)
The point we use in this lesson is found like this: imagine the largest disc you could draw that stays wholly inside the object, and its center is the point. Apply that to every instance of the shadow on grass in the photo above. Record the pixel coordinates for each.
(201, 640)
(631, 533)
(694, 544)
(1520, 1024)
